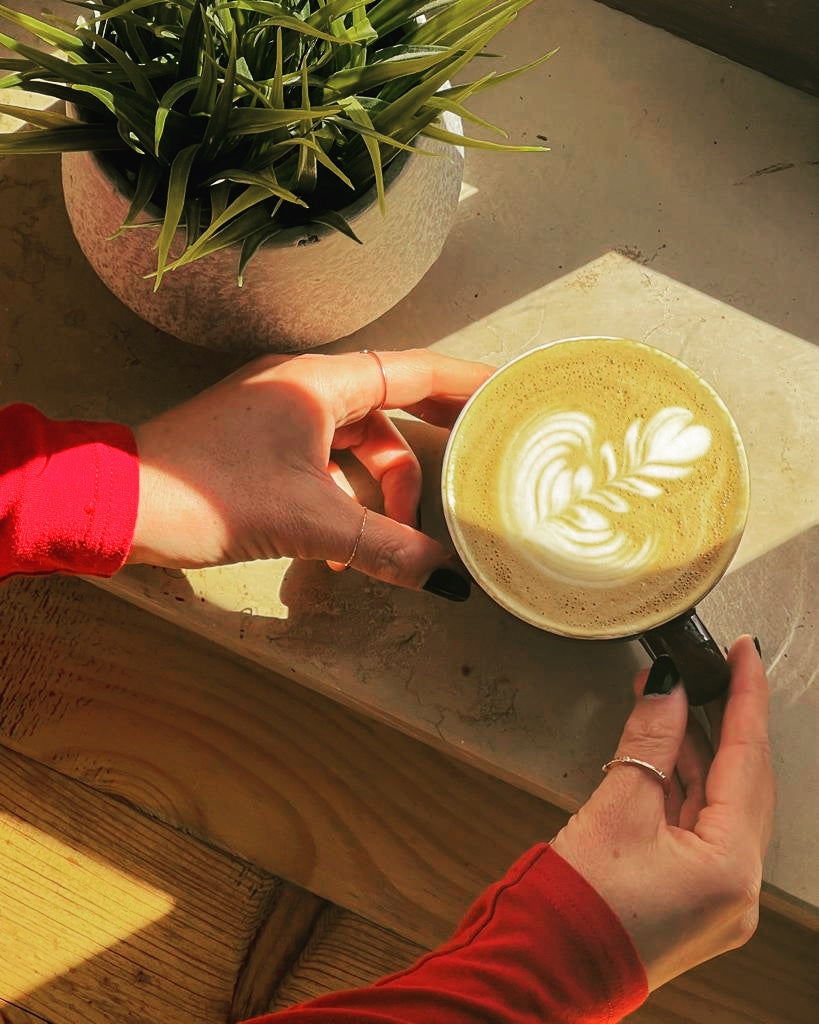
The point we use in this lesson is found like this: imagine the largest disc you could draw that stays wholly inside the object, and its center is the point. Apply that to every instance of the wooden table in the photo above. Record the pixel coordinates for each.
(675, 207)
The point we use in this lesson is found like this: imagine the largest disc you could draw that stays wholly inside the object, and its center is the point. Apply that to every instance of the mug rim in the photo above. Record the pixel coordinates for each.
(629, 634)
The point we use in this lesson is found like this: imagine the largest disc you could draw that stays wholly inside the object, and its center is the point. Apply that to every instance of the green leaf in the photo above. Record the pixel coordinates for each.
(132, 70)
(205, 98)
(439, 103)
(171, 96)
(260, 179)
(233, 234)
(118, 12)
(457, 20)
(150, 174)
(250, 121)
(277, 16)
(407, 61)
(333, 219)
(306, 171)
(389, 15)
(356, 112)
(333, 10)
(499, 77)
(251, 246)
(60, 140)
(174, 205)
(40, 118)
(217, 129)
(47, 33)
(399, 111)
(231, 222)
(434, 132)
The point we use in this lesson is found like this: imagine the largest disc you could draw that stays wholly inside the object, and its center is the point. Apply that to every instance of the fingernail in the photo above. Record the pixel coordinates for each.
(757, 645)
(449, 584)
(662, 678)
(418, 518)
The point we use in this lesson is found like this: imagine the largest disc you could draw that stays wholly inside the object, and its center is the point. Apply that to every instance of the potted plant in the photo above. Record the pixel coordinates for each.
(249, 173)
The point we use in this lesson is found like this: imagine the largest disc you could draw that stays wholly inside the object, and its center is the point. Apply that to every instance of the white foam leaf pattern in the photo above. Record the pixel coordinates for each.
(564, 493)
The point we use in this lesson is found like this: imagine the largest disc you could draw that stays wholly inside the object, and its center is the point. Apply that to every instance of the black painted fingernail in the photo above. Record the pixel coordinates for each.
(726, 650)
(758, 648)
(418, 518)
(662, 678)
(449, 584)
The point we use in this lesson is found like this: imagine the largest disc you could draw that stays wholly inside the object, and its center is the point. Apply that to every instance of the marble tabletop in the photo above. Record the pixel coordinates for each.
(677, 206)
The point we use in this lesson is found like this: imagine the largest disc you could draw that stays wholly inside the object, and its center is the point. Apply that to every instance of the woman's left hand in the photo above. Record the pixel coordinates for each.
(683, 874)
(245, 470)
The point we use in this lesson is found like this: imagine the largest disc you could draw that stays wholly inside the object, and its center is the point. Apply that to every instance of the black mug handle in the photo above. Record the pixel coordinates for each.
(693, 650)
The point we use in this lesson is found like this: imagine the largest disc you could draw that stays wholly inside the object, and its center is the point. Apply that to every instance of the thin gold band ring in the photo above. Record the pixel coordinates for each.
(354, 552)
(626, 760)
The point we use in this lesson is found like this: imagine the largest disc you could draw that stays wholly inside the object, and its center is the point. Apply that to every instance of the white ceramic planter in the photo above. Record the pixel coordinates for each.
(308, 287)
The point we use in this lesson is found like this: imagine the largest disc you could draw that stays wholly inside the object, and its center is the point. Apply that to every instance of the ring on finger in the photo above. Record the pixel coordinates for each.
(377, 358)
(661, 777)
(354, 552)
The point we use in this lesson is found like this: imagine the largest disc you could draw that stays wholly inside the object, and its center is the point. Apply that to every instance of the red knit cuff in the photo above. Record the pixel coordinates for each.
(71, 492)
(553, 942)
(539, 945)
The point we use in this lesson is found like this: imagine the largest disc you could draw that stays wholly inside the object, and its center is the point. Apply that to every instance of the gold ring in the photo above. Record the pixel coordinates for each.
(661, 776)
(354, 552)
(376, 357)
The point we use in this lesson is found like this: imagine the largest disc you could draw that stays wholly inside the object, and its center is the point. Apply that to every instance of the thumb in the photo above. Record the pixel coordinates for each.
(653, 733)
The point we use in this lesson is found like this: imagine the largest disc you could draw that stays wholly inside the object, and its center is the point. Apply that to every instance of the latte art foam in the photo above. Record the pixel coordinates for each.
(596, 487)
(565, 496)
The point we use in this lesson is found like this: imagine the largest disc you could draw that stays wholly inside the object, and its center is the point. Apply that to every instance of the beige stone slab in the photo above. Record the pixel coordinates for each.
(677, 206)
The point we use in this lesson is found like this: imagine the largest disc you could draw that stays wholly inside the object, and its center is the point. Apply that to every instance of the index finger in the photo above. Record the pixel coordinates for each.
(740, 781)
(356, 384)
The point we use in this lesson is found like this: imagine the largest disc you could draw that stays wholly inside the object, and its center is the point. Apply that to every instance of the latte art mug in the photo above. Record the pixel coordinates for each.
(598, 488)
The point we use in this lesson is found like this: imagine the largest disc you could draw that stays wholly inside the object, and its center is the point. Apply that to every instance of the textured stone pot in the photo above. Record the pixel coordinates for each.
(307, 287)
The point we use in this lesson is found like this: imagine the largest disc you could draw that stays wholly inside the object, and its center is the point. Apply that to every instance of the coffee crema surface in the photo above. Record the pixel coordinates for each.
(596, 487)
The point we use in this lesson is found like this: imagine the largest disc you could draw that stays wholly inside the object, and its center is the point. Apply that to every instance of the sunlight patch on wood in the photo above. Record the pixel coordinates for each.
(91, 907)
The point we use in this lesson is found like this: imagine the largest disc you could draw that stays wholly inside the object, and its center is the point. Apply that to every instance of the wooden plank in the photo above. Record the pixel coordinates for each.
(279, 943)
(778, 37)
(345, 951)
(141, 710)
(264, 768)
(108, 916)
(11, 1013)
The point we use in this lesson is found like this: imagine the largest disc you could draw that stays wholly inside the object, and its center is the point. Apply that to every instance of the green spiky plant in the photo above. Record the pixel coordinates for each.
(237, 119)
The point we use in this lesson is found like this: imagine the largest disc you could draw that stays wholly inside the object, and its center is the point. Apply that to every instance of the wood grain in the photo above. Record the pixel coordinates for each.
(263, 768)
(107, 916)
(398, 836)
(778, 37)
(290, 927)
(345, 951)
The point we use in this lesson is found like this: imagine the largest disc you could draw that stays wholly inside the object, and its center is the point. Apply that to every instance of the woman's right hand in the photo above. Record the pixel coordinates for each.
(247, 469)
(684, 873)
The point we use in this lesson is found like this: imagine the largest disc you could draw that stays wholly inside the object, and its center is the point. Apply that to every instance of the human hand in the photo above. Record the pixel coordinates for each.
(683, 874)
(245, 470)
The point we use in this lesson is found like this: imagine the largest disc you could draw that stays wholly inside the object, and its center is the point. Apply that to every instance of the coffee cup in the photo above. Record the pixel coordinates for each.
(597, 488)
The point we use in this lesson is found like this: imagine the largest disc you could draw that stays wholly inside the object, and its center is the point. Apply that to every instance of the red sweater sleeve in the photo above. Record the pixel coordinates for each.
(538, 947)
(68, 494)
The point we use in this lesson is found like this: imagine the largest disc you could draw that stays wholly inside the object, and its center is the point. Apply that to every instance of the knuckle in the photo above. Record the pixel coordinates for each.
(649, 735)
(390, 559)
(740, 899)
(743, 926)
